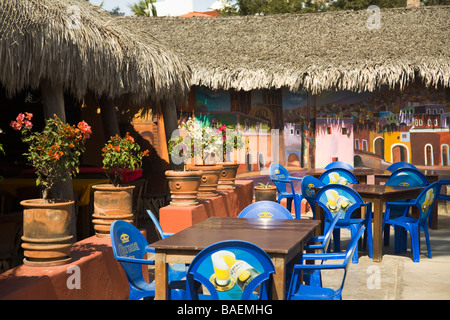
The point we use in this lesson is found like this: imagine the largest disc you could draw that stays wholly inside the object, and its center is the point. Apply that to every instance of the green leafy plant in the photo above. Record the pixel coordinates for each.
(120, 154)
(55, 152)
(265, 186)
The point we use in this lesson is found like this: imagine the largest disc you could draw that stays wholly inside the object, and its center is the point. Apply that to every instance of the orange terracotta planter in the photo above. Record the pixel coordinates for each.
(227, 176)
(266, 194)
(110, 204)
(209, 180)
(183, 187)
(47, 232)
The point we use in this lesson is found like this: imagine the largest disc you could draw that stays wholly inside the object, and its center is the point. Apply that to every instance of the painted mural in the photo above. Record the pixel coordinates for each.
(362, 129)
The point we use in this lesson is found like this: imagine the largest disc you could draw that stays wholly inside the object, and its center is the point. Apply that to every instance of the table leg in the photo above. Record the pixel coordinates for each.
(279, 278)
(161, 277)
(377, 210)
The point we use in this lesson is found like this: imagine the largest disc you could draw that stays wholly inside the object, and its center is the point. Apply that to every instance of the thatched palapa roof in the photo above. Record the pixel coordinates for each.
(317, 52)
(72, 42)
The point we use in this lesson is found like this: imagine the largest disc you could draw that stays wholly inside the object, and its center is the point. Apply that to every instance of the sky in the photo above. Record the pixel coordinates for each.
(201, 5)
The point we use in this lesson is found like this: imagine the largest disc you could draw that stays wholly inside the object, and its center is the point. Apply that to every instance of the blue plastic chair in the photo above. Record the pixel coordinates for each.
(231, 270)
(400, 165)
(424, 204)
(129, 247)
(338, 176)
(313, 277)
(299, 291)
(337, 199)
(265, 210)
(308, 191)
(281, 178)
(405, 177)
(339, 164)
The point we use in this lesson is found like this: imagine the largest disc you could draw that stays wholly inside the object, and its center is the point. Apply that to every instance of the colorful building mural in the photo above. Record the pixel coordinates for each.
(411, 125)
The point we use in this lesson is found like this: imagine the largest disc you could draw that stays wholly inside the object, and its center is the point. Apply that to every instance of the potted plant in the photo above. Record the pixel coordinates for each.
(233, 140)
(201, 143)
(121, 156)
(54, 153)
(265, 192)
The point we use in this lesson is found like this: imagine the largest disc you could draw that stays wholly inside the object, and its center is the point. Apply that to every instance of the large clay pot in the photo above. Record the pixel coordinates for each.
(110, 204)
(47, 232)
(183, 187)
(227, 176)
(266, 194)
(209, 180)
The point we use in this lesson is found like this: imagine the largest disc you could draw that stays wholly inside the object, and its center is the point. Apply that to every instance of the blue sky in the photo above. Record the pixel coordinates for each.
(110, 4)
(124, 4)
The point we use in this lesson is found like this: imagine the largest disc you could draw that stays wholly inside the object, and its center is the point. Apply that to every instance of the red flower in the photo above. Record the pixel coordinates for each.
(85, 129)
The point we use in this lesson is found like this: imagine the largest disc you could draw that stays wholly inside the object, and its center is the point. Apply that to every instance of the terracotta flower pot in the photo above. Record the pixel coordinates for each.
(47, 232)
(183, 187)
(266, 194)
(228, 176)
(111, 203)
(209, 180)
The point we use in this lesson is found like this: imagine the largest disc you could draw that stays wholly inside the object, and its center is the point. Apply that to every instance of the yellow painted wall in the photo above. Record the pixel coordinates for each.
(391, 139)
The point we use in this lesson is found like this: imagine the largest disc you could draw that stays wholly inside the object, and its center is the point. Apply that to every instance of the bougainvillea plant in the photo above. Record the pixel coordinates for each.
(120, 154)
(55, 152)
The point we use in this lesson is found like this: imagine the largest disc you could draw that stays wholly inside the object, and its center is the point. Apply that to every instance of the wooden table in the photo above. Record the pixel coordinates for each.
(360, 173)
(283, 241)
(378, 195)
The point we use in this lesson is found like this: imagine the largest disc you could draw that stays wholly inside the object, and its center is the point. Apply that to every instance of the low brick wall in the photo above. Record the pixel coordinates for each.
(93, 274)
(226, 204)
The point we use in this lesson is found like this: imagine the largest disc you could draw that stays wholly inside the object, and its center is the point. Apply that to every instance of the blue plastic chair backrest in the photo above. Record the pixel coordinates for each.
(278, 172)
(425, 200)
(128, 242)
(308, 185)
(400, 165)
(231, 270)
(265, 210)
(407, 177)
(339, 176)
(338, 199)
(157, 224)
(339, 164)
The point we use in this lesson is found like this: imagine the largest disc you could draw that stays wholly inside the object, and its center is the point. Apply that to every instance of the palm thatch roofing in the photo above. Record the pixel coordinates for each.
(72, 43)
(314, 52)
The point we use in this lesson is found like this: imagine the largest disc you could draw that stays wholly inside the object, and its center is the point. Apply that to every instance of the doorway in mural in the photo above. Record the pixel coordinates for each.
(399, 154)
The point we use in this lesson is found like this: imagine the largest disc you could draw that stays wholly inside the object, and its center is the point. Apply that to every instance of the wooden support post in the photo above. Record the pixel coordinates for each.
(109, 117)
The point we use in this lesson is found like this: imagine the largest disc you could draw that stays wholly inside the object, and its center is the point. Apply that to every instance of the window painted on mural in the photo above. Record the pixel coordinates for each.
(344, 131)
(444, 155)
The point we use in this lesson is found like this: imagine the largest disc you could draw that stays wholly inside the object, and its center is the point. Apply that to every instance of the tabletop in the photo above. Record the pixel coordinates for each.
(272, 235)
(383, 190)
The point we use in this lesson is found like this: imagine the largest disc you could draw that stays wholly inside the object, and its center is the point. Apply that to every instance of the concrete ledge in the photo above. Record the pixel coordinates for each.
(226, 204)
(100, 276)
